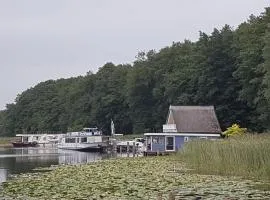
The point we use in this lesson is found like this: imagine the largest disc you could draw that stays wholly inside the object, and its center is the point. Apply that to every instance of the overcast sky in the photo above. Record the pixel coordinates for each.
(51, 39)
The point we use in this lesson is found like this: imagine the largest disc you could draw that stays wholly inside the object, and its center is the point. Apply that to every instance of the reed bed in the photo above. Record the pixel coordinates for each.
(247, 156)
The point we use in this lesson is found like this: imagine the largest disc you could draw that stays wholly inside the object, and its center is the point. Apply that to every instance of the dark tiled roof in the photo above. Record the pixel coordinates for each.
(195, 119)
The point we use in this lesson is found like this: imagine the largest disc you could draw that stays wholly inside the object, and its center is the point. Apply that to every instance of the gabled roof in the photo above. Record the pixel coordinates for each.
(194, 119)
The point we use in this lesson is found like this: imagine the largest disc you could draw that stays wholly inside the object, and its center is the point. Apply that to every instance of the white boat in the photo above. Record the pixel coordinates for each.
(42, 140)
(138, 143)
(89, 139)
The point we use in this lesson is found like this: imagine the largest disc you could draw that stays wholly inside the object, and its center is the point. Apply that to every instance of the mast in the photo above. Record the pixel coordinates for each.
(112, 128)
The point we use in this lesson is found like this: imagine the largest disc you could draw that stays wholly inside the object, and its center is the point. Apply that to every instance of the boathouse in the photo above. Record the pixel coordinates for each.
(184, 123)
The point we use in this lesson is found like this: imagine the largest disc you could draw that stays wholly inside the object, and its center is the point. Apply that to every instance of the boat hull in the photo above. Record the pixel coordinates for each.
(83, 147)
(86, 149)
(24, 144)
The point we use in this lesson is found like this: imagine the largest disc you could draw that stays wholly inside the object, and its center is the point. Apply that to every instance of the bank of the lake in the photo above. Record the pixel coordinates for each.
(6, 141)
(130, 178)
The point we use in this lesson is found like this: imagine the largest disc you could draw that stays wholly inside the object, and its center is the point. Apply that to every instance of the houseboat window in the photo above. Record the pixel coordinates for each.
(158, 140)
(84, 139)
(70, 140)
(169, 143)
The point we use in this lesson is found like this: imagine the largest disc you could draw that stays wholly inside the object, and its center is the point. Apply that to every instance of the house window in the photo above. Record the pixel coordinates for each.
(170, 143)
(158, 140)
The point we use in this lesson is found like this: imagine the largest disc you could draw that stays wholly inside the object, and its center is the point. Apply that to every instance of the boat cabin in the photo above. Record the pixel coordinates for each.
(93, 131)
(87, 139)
(184, 123)
(31, 140)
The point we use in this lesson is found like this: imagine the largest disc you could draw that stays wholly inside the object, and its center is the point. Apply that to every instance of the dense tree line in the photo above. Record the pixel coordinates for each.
(229, 69)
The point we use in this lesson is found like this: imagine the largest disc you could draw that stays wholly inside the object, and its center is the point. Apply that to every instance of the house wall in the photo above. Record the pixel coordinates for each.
(189, 138)
(179, 142)
(159, 145)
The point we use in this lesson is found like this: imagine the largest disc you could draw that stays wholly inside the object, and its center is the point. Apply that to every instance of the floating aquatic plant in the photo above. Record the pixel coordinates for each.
(133, 178)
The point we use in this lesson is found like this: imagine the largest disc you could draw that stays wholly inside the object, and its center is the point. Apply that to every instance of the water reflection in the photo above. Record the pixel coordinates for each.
(22, 160)
(75, 157)
(3, 175)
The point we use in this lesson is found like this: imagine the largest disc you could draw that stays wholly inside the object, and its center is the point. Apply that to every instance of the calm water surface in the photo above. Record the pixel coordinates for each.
(22, 160)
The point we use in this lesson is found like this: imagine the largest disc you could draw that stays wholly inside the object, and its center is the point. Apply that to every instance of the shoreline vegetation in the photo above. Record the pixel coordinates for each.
(230, 168)
(247, 156)
(6, 141)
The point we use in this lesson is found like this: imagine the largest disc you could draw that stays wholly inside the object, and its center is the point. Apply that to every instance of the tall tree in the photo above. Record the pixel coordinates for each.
(216, 62)
(249, 39)
(265, 105)
(109, 101)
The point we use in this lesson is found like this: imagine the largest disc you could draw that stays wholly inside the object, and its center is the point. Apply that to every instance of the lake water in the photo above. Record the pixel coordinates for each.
(22, 160)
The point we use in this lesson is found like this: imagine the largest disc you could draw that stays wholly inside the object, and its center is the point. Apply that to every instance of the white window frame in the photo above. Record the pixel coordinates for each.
(173, 143)
(151, 138)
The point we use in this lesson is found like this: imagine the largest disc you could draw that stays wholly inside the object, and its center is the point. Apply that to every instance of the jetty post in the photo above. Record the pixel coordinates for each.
(133, 149)
(115, 147)
(127, 149)
(120, 150)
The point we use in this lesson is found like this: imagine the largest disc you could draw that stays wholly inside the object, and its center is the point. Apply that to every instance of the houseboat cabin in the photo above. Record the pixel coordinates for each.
(89, 139)
(184, 123)
(33, 140)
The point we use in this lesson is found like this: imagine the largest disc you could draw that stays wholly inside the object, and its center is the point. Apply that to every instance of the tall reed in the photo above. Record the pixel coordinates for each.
(247, 156)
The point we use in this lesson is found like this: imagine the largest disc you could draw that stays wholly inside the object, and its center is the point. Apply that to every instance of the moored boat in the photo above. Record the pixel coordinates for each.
(34, 140)
(24, 144)
(89, 139)
(137, 143)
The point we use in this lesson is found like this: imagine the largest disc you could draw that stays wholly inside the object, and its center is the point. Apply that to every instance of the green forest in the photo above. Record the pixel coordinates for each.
(229, 68)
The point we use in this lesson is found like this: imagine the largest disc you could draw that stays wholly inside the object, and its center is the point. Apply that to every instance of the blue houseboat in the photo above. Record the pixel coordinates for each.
(184, 123)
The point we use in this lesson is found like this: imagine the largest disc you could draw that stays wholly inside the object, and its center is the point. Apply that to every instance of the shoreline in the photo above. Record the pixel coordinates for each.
(6, 142)
(6, 145)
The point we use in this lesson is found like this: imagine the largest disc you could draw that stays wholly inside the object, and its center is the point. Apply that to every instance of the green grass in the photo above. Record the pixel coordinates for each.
(247, 156)
(6, 140)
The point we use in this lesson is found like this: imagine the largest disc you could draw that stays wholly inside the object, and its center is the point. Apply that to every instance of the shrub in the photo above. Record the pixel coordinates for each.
(234, 130)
